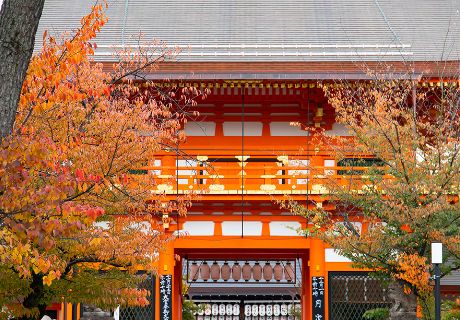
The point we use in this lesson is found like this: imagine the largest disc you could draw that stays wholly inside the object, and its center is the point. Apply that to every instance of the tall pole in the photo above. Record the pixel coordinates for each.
(436, 260)
(437, 291)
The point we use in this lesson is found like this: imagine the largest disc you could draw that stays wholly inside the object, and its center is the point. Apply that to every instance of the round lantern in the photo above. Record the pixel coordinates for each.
(204, 271)
(222, 310)
(201, 310)
(215, 309)
(269, 310)
(229, 310)
(289, 272)
(246, 271)
(193, 272)
(207, 309)
(236, 271)
(278, 272)
(215, 271)
(247, 310)
(236, 309)
(225, 271)
(267, 271)
(255, 310)
(276, 310)
(284, 309)
(262, 310)
(257, 272)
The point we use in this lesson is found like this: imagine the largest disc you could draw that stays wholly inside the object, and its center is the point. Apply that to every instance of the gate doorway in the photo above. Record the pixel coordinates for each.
(257, 289)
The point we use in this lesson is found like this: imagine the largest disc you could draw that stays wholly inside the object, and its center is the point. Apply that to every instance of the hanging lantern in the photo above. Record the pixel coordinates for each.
(247, 310)
(278, 272)
(284, 309)
(246, 271)
(229, 310)
(204, 271)
(276, 310)
(225, 271)
(289, 272)
(215, 309)
(267, 271)
(257, 272)
(193, 272)
(207, 310)
(222, 309)
(269, 310)
(262, 310)
(236, 309)
(215, 271)
(236, 271)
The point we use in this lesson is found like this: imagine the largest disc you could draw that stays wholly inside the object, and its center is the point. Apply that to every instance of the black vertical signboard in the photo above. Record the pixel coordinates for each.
(166, 297)
(317, 297)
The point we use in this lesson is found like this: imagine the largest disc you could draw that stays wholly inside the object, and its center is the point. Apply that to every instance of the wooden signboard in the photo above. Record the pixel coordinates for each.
(166, 297)
(317, 299)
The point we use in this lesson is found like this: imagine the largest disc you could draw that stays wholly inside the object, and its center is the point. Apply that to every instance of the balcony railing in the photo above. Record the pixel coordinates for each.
(259, 176)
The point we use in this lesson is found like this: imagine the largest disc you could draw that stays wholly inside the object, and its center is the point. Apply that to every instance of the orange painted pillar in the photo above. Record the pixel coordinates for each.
(317, 269)
(166, 264)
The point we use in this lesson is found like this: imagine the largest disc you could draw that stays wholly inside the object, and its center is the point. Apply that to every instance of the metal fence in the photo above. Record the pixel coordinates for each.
(352, 293)
(142, 313)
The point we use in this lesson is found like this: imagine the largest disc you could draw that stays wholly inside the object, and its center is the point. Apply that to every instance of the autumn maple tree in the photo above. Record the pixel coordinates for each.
(73, 221)
(405, 194)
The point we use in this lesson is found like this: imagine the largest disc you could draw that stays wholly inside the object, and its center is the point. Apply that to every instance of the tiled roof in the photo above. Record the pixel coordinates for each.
(276, 30)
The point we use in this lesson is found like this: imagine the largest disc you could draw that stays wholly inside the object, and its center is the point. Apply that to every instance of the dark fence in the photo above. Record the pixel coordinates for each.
(352, 293)
(142, 313)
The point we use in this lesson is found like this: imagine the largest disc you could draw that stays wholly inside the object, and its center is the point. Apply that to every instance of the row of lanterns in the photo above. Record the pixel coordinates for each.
(249, 310)
(247, 318)
(246, 271)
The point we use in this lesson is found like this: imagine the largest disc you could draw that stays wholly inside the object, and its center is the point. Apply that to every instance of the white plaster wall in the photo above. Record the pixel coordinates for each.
(251, 129)
(199, 228)
(233, 228)
(333, 256)
(338, 129)
(284, 228)
(200, 129)
(280, 129)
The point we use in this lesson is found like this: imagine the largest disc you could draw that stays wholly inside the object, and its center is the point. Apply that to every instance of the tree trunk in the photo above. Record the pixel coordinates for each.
(18, 25)
(404, 305)
(36, 298)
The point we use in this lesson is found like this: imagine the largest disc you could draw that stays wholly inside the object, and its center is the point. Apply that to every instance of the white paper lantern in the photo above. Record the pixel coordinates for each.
(222, 309)
(284, 309)
(262, 310)
(269, 310)
(215, 309)
(229, 310)
(207, 309)
(247, 310)
(255, 310)
(201, 310)
(236, 309)
(276, 310)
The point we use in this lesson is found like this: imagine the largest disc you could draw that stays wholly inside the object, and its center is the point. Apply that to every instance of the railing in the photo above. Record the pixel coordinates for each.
(255, 176)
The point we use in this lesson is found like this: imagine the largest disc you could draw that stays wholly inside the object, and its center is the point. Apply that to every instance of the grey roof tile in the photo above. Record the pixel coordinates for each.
(276, 30)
